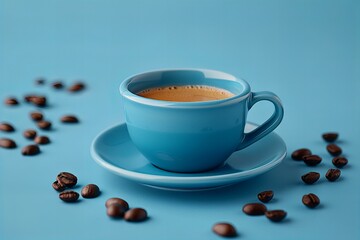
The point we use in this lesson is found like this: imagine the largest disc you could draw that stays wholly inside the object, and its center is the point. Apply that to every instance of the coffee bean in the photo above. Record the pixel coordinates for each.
(69, 119)
(339, 162)
(312, 160)
(7, 143)
(58, 85)
(30, 150)
(300, 153)
(135, 215)
(115, 211)
(11, 101)
(39, 101)
(40, 81)
(311, 200)
(265, 196)
(28, 98)
(45, 125)
(76, 87)
(310, 177)
(90, 191)
(69, 196)
(224, 229)
(276, 215)
(30, 134)
(6, 127)
(333, 174)
(254, 209)
(58, 186)
(36, 116)
(119, 201)
(67, 179)
(42, 140)
(330, 136)
(334, 149)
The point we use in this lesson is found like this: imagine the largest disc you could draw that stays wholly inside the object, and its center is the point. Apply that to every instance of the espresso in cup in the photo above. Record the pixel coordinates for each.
(186, 93)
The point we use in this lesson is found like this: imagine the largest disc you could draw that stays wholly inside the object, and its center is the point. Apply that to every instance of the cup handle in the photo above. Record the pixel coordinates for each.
(269, 125)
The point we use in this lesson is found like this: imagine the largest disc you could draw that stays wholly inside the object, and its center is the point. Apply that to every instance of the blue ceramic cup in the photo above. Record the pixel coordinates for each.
(192, 136)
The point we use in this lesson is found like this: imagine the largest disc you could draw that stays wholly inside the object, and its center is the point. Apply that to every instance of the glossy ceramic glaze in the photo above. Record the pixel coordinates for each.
(114, 150)
(192, 136)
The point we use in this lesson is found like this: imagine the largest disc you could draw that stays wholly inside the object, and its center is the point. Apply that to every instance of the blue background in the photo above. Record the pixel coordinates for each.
(308, 52)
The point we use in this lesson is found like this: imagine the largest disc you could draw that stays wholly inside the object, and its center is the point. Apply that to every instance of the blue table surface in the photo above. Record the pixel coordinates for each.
(308, 52)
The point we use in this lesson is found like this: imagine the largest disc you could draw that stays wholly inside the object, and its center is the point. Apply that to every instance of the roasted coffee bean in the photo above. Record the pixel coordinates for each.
(11, 101)
(300, 153)
(69, 119)
(115, 211)
(58, 85)
(90, 191)
(69, 196)
(265, 196)
(334, 149)
(330, 136)
(119, 201)
(28, 98)
(339, 162)
(30, 150)
(333, 174)
(42, 140)
(135, 215)
(40, 81)
(7, 143)
(36, 116)
(39, 101)
(45, 125)
(6, 127)
(67, 179)
(310, 177)
(76, 87)
(30, 134)
(254, 209)
(312, 160)
(58, 186)
(224, 229)
(276, 215)
(311, 200)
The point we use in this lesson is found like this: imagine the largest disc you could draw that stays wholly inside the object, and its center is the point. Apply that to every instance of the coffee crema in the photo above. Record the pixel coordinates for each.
(186, 93)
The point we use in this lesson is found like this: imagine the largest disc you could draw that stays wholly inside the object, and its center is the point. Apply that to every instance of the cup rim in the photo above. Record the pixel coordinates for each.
(126, 93)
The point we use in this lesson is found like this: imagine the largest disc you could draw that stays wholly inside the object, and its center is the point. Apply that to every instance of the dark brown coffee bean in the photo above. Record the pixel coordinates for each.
(115, 211)
(69, 196)
(312, 160)
(224, 229)
(119, 201)
(334, 149)
(58, 186)
(7, 143)
(276, 215)
(76, 87)
(300, 153)
(265, 196)
(339, 162)
(6, 127)
(40, 81)
(57, 85)
(67, 179)
(30, 134)
(254, 209)
(135, 215)
(311, 200)
(39, 101)
(333, 174)
(90, 191)
(45, 125)
(30, 150)
(28, 98)
(36, 116)
(310, 177)
(42, 140)
(11, 101)
(69, 119)
(330, 136)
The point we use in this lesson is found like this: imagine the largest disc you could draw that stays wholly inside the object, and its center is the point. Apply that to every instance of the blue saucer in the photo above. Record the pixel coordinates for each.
(114, 150)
